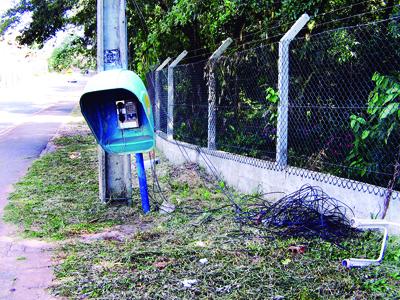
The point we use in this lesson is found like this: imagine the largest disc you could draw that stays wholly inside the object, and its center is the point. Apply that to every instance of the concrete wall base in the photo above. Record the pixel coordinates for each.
(251, 175)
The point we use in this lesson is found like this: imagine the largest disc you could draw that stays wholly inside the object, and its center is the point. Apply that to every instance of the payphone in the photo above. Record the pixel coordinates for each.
(127, 114)
(117, 109)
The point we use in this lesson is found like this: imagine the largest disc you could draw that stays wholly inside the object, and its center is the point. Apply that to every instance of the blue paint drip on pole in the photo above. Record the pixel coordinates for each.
(142, 183)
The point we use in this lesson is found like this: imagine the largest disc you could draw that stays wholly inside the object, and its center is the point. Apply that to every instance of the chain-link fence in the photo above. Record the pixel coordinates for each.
(342, 115)
(246, 106)
(343, 102)
(161, 85)
(190, 103)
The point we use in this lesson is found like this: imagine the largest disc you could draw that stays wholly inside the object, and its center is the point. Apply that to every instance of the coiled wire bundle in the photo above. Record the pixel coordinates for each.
(308, 212)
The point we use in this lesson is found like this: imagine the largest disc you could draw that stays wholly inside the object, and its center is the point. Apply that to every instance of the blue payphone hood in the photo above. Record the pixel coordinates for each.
(98, 107)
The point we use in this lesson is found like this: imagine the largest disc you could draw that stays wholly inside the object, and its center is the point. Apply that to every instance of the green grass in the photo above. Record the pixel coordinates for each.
(153, 264)
(58, 199)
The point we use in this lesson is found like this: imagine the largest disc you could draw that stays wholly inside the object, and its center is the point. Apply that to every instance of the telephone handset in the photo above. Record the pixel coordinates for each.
(127, 114)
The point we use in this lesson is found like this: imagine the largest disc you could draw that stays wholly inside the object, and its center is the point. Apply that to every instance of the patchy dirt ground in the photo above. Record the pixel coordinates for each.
(119, 233)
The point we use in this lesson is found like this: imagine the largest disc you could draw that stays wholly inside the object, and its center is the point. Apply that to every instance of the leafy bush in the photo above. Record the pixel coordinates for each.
(377, 132)
(251, 128)
(72, 54)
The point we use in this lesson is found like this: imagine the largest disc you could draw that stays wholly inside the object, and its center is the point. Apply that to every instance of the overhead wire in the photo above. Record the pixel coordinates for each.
(356, 15)
(239, 39)
(141, 17)
(314, 18)
(264, 31)
(260, 41)
(342, 8)
(200, 55)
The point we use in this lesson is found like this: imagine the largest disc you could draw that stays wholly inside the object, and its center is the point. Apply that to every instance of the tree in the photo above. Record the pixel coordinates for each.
(162, 28)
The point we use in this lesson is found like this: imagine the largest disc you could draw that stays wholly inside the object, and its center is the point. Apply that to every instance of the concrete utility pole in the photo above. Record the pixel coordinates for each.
(115, 179)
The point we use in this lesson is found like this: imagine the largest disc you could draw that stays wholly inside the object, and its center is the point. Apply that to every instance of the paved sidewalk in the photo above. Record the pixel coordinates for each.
(25, 265)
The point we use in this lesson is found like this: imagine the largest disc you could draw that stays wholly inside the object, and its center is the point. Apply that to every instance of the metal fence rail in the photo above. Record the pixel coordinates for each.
(341, 117)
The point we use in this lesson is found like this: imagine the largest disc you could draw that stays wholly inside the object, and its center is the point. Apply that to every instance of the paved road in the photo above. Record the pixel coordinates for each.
(28, 119)
(19, 102)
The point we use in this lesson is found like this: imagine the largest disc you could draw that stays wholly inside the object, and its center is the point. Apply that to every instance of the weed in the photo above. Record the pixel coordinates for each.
(376, 285)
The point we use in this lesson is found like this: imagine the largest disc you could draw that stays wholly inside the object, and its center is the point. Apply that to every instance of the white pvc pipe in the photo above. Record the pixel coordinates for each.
(366, 222)
(370, 224)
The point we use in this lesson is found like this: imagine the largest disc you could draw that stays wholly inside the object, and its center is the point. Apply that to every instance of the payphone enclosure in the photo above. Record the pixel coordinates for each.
(117, 109)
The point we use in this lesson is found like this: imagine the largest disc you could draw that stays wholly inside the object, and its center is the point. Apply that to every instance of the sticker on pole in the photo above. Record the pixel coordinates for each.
(112, 56)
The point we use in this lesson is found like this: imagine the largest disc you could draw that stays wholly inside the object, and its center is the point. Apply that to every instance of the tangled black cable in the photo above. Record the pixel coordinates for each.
(308, 212)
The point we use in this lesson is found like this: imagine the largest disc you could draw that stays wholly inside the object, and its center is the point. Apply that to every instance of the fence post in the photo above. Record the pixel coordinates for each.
(212, 93)
(283, 89)
(157, 88)
(170, 127)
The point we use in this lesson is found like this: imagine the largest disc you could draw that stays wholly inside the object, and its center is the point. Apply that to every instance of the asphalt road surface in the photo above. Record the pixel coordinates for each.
(30, 115)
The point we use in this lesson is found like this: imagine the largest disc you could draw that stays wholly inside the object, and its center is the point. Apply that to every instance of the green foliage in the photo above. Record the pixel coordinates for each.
(158, 29)
(376, 285)
(48, 17)
(343, 46)
(6, 24)
(378, 127)
(72, 54)
(272, 97)
(250, 112)
(249, 125)
(253, 111)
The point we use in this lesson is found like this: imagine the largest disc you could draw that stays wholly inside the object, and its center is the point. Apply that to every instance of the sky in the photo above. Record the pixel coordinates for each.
(16, 60)
(5, 4)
